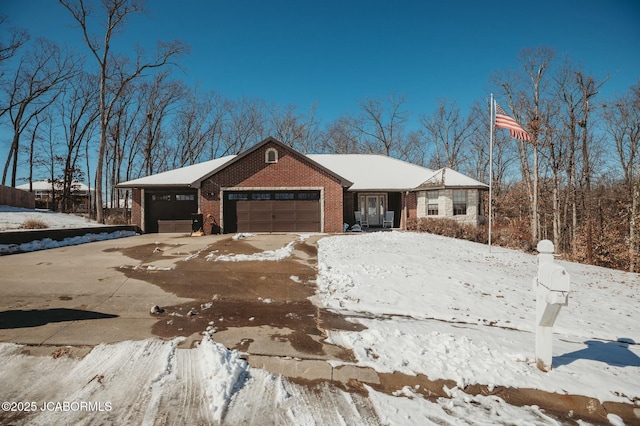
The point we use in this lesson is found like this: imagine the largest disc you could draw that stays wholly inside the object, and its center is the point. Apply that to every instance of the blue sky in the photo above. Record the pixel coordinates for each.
(334, 53)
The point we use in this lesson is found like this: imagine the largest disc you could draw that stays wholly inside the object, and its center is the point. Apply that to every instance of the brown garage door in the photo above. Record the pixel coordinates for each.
(169, 206)
(278, 216)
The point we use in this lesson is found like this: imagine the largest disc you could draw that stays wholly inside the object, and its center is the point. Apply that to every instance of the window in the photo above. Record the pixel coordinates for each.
(260, 196)
(284, 195)
(312, 195)
(432, 203)
(185, 197)
(271, 156)
(459, 202)
(237, 197)
(160, 197)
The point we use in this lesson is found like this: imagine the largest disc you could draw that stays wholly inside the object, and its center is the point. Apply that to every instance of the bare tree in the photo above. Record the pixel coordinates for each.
(588, 88)
(247, 122)
(341, 137)
(39, 120)
(17, 38)
(157, 97)
(554, 152)
(293, 128)
(381, 124)
(536, 63)
(115, 76)
(125, 143)
(198, 127)
(78, 112)
(413, 148)
(449, 133)
(524, 93)
(476, 162)
(8, 49)
(48, 146)
(35, 86)
(622, 121)
(569, 96)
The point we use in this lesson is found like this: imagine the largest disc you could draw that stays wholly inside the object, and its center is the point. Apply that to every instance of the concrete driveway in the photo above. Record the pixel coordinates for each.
(103, 292)
(65, 302)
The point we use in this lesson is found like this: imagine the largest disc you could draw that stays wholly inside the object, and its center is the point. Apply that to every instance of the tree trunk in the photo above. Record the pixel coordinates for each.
(586, 172)
(535, 209)
(556, 212)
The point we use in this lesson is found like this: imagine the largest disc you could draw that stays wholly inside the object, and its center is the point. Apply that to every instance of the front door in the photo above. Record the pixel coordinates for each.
(372, 210)
(375, 208)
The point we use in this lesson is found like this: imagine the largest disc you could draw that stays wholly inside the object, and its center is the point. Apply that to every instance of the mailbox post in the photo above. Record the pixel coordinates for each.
(551, 287)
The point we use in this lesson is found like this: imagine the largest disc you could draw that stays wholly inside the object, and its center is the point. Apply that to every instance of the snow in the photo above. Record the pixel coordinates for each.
(43, 185)
(185, 176)
(267, 255)
(364, 171)
(458, 409)
(48, 243)
(440, 307)
(368, 172)
(13, 218)
(462, 313)
(451, 178)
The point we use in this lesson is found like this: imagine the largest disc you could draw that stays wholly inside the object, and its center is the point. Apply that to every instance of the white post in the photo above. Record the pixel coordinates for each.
(552, 293)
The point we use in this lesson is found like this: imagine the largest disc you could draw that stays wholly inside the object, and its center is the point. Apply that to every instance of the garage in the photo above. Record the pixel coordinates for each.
(272, 211)
(270, 187)
(170, 210)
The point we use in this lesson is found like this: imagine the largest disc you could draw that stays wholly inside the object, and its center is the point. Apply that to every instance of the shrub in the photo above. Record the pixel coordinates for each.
(34, 224)
(448, 228)
(116, 219)
(513, 234)
(412, 224)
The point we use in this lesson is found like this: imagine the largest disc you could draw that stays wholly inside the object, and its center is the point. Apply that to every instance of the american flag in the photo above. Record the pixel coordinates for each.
(504, 121)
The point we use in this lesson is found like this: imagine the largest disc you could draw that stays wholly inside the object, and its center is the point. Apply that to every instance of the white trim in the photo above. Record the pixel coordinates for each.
(200, 198)
(362, 197)
(266, 155)
(142, 210)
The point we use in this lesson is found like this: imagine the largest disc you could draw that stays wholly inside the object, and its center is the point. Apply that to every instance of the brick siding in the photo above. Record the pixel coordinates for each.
(292, 171)
(136, 207)
(412, 207)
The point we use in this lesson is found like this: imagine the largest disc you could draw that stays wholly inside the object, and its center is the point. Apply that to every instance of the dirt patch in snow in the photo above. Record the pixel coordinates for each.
(568, 409)
(230, 294)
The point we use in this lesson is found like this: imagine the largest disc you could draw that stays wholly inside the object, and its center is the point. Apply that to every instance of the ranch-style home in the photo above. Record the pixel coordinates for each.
(274, 188)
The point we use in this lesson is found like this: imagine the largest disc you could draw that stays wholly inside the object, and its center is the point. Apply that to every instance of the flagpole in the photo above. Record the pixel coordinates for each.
(491, 113)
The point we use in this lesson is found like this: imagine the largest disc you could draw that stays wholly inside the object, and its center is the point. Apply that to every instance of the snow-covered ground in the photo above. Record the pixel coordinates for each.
(452, 309)
(432, 305)
(14, 218)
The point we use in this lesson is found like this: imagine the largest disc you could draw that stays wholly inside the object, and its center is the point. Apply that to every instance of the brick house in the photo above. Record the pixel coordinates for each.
(273, 188)
(48, 194)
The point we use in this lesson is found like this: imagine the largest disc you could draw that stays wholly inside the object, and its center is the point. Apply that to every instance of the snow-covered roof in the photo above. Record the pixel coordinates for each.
(449, 178)
(43, 185)
(185, 176)
(374, 172)
(367, 172)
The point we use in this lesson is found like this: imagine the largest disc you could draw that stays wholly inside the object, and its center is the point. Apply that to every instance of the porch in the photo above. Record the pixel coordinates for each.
(374, 210)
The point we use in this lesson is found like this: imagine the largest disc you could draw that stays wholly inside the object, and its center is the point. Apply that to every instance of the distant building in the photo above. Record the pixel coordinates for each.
(48, 193)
